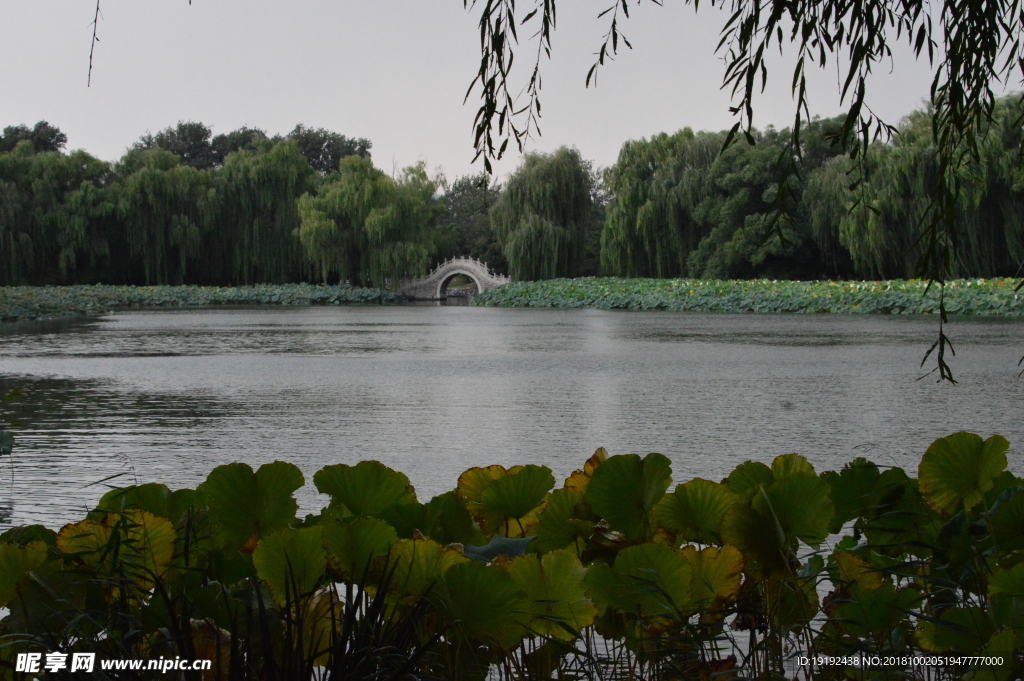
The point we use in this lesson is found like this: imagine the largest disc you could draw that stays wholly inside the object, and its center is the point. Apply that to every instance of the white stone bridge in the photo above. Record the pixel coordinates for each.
(434, 286)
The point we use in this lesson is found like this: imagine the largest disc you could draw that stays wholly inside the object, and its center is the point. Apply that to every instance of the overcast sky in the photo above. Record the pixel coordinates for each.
(393, 71)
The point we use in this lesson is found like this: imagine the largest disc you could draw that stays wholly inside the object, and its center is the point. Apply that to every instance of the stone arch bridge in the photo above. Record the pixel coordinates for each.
(434, 286)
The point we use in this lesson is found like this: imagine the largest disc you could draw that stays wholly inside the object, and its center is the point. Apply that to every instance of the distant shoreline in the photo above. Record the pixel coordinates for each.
(977, 297)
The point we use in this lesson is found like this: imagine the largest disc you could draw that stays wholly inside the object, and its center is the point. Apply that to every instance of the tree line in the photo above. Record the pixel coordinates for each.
(186, 206)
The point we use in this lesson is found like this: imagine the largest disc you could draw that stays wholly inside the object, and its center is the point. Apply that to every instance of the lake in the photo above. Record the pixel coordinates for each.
(164, 396)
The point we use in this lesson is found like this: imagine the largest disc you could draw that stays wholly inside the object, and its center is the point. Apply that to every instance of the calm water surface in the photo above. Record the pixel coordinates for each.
(431, 391)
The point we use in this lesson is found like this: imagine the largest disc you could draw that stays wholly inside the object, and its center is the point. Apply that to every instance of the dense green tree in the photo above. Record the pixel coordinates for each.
(188, 140)
(543, 215)
(42, 136)
(465, 229)
(54, 214)
(243, 139)
(364, 227)
(325, 149)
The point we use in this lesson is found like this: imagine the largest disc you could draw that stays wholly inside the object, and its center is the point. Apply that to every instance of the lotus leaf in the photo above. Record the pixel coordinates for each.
(291, 562)
(418, 564)
(695, 510)
(898, 519)
(25, 535)
(472, 482)
(515, 494)
(717, 574)
(787, 464)
(1006, 595)
(353, 546)
(579, 479)
(748, 475)
(648, 579)
(957, 470)
(851, 490)
(962, 630)
(245, 506)
(790, 602)
(855, 573)
(1006, 520)
(135, 543)
(874, 612)
(15, 563)
(152, 497)
(558, 527)
(800, 504)
(367, 489)
(483, 604)
(1001, 646)
(553, 586)
(624, 490)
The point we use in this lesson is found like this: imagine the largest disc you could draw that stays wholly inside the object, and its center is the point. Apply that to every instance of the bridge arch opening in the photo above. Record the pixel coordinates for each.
(457, 284)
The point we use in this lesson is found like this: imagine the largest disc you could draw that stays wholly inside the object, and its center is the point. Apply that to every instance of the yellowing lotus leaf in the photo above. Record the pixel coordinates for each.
(717, 574)
(579, 479)
(957, 470)
(135, 544)
(473, 481)
(856, 573)
(291, 562)
(515, 494)
(695, 510)
(553, 587)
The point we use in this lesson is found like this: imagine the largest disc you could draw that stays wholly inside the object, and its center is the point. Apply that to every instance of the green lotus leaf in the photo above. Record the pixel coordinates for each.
(748, 475)
(353, 546)
(695, 510)
(15, 563)
(1008, 582)
(558, 526)
(447, 520)
(961, 630)
(245, 506)
(134, 543)
(957, 470)
(497, 546)
(765, 548)
(406, 519)
(791, 603)
(624, 489)
(717, 574)
(553, 587)
(851, 490)
(367, 489)
(514, 495)
(483, 604)
(291, 562)
(152, 497)
(898, 520)
(472, 482)
(647, 579)
(800, 503)
(874, 612)
(26, 534)
(1001, 648)
(787, 464)
(418, 564)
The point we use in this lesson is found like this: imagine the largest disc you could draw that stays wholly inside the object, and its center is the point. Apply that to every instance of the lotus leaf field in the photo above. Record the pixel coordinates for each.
(34, 302)
(964, 296)
(615, 573)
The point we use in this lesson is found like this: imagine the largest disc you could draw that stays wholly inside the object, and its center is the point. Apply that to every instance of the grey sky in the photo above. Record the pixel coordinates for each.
(393, 71)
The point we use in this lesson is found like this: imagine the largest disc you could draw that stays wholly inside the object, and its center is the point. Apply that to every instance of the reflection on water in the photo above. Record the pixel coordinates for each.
(432, 390)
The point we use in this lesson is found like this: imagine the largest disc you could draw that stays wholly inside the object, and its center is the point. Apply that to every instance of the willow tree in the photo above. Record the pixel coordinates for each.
(165, 208)
(878, 222)
(543, 214)
(258, 215)
(55, 211)
(365, 227)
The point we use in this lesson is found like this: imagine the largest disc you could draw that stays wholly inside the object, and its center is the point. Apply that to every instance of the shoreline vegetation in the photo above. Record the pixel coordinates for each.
(974, 297)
